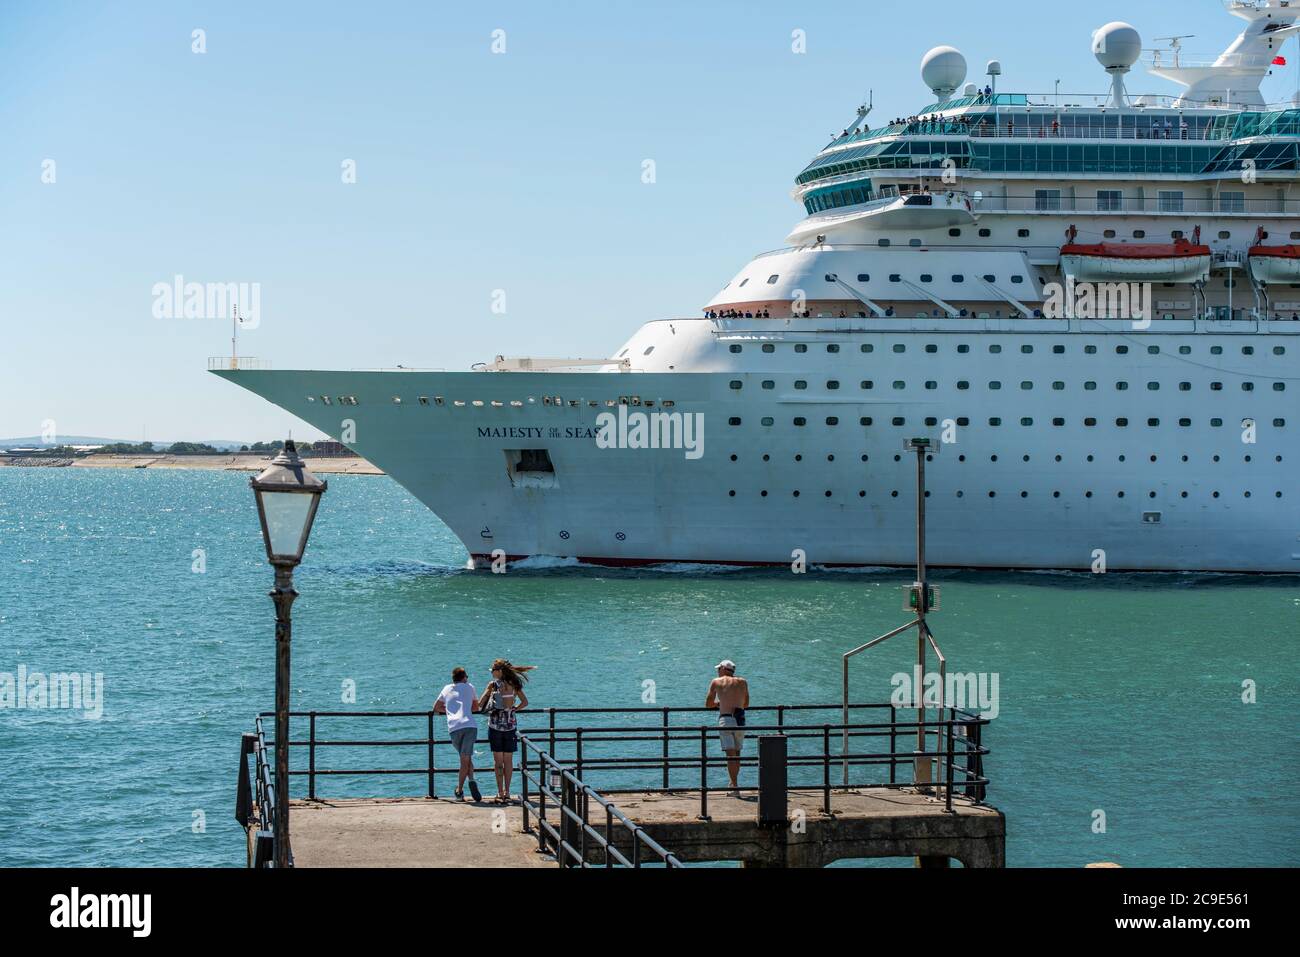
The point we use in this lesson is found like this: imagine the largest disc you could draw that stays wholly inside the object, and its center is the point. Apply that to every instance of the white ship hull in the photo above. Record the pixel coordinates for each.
(1041, 489)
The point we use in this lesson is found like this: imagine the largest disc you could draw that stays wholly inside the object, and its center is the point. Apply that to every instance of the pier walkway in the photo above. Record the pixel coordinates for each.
(643, 787)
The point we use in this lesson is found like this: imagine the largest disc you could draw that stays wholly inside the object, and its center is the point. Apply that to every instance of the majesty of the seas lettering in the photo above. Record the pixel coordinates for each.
(536, 432)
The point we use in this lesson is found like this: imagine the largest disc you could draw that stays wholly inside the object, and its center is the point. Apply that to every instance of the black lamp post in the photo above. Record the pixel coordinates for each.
(287, 498)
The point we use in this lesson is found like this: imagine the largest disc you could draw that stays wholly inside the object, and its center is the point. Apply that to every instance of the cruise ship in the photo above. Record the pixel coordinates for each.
(1089, 304)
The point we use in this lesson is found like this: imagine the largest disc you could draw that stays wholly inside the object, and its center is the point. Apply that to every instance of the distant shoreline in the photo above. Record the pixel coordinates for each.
(228, 462)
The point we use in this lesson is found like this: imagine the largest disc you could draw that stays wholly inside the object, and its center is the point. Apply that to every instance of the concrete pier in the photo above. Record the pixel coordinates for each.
(862, 825)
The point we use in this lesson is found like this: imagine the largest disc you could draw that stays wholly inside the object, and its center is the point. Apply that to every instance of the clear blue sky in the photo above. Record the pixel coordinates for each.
(475, 172)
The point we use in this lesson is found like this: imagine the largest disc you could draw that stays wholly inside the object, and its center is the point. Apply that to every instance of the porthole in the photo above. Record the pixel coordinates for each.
(800, 348)
(800, 384)
(736, 385)
(768, 421)
(769, 348)
(733, 421)
(737, 349)
(800, 422)
(769, 385)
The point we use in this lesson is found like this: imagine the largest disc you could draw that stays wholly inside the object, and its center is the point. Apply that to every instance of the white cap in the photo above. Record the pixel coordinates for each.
(726, 665)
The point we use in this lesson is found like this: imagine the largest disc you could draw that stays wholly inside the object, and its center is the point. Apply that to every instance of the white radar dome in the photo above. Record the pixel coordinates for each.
(1117, 46)
(944, 70)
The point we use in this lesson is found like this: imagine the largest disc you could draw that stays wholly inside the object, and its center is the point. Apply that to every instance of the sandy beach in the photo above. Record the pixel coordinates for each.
(232, 462)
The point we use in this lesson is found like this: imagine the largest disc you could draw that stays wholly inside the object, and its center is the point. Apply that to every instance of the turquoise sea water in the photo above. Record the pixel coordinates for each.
(1121, 694)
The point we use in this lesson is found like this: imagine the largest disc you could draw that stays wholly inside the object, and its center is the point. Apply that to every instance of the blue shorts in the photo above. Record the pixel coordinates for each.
(463, 741)
(503, 742)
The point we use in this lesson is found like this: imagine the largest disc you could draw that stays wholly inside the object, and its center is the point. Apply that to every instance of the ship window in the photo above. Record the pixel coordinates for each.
(1122, 423)
(958, 278)
(1216, 386)
(1232, 203)
(769, 385)
(954, 233)
(1224, 234)
(995, 386)
(800, 384)
(884, 242)
(1279, 423)
(1279, 350)
(1058, 386)
(1184, 350)
(648, 351)
(868, 384)
(1153, 386)
(831, 277)
(990, 278)
(733, 421)
(868, 347)
(1058, 350)
(1026, 386)
(737, 348)
(1121, 350)
(932, 386)
(1017, 280)
(768, 421)
(832, 349)
(963, 386)
(1216, 423)
(1059, 423)
(899, 347)
(1121, 386)
(1139, 234)
(772, 280)
(833, 385)
(1047, 200)
(995, 422)
(1216, 350)
(800, 348)
(900, 421)
(1248, 387)
(1109, 234)
(1090, 350)
(864, 277)
(1184, 387)
(832, 421)
(1023, 234)
(1153, 423)
(1153, 350)
(1247, 350)
(866, 423)
(899, 385)
(1027, 422)
(995, 348)
(1279, 386)
(1090, 423)
(985, 233)
(1176, 234)
(1171, 201)
(914, 243)
(1185, 423)
(769, 348)
(963, 349)
(800, 422)
(1027, 350)
(1090, 387)
(737, 385)
(926, 277)
(895, 278)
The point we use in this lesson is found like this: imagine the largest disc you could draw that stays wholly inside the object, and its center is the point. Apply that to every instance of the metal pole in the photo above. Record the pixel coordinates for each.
(311, 761)
(923, 599)
(283, 595)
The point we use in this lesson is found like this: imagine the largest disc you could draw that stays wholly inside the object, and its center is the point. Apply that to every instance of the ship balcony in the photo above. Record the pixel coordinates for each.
(1178, 208)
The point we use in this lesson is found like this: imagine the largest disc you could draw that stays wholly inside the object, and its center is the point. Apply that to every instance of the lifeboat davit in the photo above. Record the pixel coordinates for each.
(1273, 264)
(1180, 261)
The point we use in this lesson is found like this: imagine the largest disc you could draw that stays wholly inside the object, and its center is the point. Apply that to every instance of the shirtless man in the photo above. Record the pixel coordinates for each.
(729, 696)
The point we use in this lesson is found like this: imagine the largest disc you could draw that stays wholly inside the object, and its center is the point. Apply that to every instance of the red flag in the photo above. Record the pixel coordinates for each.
(1279, 61)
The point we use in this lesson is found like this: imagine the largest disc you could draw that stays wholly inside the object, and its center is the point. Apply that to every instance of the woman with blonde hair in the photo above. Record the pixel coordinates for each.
(503, 699)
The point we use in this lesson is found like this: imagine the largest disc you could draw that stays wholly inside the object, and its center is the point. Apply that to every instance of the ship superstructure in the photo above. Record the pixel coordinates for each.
(1091, 304)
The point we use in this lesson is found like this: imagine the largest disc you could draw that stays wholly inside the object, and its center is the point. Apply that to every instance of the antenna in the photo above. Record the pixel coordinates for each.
(1175, 45)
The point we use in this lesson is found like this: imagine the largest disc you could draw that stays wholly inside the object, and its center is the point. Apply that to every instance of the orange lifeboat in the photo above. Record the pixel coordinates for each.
(1180, 261)
(1273, 264)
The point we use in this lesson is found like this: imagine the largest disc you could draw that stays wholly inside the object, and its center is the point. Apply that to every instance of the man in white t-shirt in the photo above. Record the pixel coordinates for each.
(459, 702)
